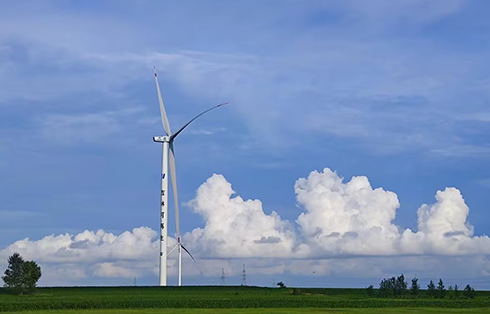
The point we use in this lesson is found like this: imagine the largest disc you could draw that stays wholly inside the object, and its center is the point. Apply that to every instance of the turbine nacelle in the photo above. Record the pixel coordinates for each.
(161, 139)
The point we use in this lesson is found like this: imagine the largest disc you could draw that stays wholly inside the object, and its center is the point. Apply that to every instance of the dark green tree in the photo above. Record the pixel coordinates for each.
(32, 273)
(415, 287)
(400, 286)
(469, 292)
(456, 292)
(441, 291)
(431, 289)
(370, 291)
(21, 276)
(387, 287)
(14, 273)
(450, 292)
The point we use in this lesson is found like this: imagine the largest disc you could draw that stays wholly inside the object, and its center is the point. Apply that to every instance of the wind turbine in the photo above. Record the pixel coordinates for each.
(168, 158)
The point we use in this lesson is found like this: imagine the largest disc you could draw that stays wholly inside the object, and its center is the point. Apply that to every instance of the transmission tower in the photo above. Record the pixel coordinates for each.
(223, 277)
(244, 276)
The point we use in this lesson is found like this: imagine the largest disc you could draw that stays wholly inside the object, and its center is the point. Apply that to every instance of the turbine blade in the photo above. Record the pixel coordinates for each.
(173, 177)
(173, 249)
(185, 125)
(188, 252)
(163, 113)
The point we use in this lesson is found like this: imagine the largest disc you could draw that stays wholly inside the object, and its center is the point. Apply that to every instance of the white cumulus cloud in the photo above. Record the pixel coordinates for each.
(443, 228)
(350, 217)
(235, 227)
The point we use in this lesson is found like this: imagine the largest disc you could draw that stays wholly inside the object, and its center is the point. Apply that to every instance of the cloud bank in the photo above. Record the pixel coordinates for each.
(338, 219)
(343, 227)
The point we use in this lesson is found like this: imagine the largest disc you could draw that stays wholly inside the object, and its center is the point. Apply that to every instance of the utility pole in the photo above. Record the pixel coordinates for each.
(244, 276)
(223, 277)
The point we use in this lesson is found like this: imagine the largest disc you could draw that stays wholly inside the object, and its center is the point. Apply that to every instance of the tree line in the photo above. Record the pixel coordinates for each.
(398, 287)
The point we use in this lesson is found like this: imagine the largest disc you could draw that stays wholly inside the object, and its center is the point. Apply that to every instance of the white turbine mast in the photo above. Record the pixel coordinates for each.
(168, 158)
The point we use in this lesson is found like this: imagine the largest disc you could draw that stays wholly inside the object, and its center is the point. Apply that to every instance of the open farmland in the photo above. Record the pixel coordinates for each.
(271, 311)
(310, 300)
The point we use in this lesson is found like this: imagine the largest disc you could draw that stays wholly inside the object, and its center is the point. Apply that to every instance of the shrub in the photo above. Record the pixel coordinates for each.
(450, 291)
(456, 292)
(469, 292)
(370, 291)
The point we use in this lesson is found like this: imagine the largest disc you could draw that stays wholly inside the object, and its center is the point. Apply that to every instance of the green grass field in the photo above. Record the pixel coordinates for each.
(241, 299)
(270, 311)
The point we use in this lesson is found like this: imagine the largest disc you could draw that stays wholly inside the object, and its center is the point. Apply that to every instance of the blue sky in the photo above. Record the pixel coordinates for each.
(394, 91)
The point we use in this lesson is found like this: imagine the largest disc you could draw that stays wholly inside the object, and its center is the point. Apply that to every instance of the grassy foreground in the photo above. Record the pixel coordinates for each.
(272, 311)
(215, 297)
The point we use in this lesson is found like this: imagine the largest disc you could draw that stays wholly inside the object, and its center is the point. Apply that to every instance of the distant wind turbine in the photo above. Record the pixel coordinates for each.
(168, 156)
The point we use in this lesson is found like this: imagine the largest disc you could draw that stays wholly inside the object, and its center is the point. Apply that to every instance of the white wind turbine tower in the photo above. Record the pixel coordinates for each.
(168, 157)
